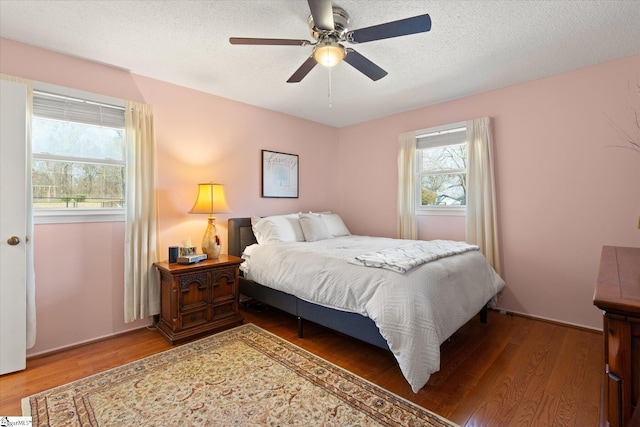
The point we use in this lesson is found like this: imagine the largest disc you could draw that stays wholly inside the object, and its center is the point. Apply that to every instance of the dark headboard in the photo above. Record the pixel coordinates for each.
(240, 235)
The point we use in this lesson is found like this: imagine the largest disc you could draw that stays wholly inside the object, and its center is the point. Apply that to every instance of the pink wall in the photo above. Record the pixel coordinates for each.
(200, 138)
(432, 227)
(79, 270)
(563, 191)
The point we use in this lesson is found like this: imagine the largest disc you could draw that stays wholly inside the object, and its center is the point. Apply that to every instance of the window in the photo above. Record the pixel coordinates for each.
(78, 156)
(441, 166)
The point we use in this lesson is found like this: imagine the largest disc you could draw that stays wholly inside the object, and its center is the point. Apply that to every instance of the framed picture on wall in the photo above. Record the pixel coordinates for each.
(279, 175)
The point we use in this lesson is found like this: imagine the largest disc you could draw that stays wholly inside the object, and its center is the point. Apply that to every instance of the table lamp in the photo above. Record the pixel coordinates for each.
(210, 200)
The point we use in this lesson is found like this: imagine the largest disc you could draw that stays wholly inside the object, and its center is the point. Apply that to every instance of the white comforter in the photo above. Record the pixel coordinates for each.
(415, 311)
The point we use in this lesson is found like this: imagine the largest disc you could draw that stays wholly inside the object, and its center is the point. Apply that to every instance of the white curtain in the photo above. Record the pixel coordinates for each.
(481, 219)
(30, 273)
(407, 228)
(142, 292)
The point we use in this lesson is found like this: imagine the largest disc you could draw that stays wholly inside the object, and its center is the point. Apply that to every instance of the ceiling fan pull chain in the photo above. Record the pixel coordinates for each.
(330, 104)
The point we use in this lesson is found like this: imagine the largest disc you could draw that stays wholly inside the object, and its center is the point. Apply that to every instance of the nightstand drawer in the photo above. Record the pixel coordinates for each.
(194, 318)
(223, 310)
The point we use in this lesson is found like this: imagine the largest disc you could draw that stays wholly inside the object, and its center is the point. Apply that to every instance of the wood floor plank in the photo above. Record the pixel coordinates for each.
(588, 409)
(476, 363)
(562, 388)
(572, 389)
(478, 406)
(510, 371)
(499, 384)
(539, 367)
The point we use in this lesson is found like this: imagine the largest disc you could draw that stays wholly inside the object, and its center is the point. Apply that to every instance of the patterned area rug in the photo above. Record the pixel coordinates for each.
(241, 377)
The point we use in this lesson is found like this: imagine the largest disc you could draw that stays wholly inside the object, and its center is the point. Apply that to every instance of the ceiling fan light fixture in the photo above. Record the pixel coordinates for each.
(329, 53)
(329, 26)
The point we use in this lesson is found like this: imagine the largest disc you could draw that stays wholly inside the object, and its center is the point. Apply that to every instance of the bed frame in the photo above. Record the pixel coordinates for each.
(351, 324)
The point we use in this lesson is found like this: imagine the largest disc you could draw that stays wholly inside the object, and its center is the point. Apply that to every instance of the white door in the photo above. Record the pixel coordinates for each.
(13, 226)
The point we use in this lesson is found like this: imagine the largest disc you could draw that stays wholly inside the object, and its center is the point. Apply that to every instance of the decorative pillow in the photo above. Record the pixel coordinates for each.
(313, 227)
(277, 228)
(335, 225)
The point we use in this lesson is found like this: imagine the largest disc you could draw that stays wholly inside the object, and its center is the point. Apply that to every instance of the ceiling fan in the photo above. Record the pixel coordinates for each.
(328, 25)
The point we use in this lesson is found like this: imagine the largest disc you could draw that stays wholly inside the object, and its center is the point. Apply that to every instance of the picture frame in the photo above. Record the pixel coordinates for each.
(280, 175)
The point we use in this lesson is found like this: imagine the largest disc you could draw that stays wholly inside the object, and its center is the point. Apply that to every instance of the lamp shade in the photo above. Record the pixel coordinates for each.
(210, 199)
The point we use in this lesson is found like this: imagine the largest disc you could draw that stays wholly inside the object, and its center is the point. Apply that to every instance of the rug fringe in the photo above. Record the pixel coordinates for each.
(26, 407)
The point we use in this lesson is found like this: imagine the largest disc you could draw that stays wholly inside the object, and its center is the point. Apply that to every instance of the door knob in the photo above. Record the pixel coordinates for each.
(13, 240)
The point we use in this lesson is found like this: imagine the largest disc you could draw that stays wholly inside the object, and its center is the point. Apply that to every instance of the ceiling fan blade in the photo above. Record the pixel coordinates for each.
(363, 65)
(322, 12)
(270, 42)
(303, 70)
(403, 27)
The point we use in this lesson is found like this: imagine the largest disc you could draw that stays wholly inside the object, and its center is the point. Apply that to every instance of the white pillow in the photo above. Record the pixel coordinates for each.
(277, 228)
(335, 225)
(313, 227)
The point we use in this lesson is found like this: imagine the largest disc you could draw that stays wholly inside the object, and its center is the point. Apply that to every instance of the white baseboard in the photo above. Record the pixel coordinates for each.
(546, 319)
(85, 342)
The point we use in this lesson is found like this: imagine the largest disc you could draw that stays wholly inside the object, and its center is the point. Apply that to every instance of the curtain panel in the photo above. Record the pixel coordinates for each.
(142, 288)
(407, 228)
(481, 218)
(30, 273)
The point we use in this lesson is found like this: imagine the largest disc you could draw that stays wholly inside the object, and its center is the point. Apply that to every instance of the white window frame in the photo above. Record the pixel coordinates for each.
(77, 215)
(431, 210)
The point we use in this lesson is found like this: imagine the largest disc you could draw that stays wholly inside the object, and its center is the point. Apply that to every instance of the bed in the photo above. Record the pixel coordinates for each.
(314, 269)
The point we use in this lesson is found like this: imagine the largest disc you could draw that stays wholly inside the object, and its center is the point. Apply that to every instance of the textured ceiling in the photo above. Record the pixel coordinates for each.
(473, 47)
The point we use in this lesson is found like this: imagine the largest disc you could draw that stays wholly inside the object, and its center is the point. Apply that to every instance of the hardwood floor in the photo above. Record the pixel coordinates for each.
(512, 371)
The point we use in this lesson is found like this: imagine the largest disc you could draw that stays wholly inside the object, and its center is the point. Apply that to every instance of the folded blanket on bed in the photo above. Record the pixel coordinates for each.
(404, 258)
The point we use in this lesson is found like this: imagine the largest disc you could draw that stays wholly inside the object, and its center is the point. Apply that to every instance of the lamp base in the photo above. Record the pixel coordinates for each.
(211, 241)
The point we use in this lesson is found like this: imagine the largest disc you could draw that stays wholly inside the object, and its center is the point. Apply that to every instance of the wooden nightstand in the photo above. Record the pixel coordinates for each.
(197, 299)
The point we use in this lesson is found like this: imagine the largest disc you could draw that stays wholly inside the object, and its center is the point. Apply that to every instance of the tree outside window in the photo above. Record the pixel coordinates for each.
(443, 175)
(77, 165)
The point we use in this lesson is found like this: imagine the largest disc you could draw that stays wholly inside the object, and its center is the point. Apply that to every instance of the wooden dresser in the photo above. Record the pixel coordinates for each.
(618, 295)
(199, 298)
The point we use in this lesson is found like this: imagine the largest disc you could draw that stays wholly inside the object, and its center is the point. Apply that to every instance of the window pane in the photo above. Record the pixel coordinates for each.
(59, 184)
(445, 158)
(70, 139)
(443, 189)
